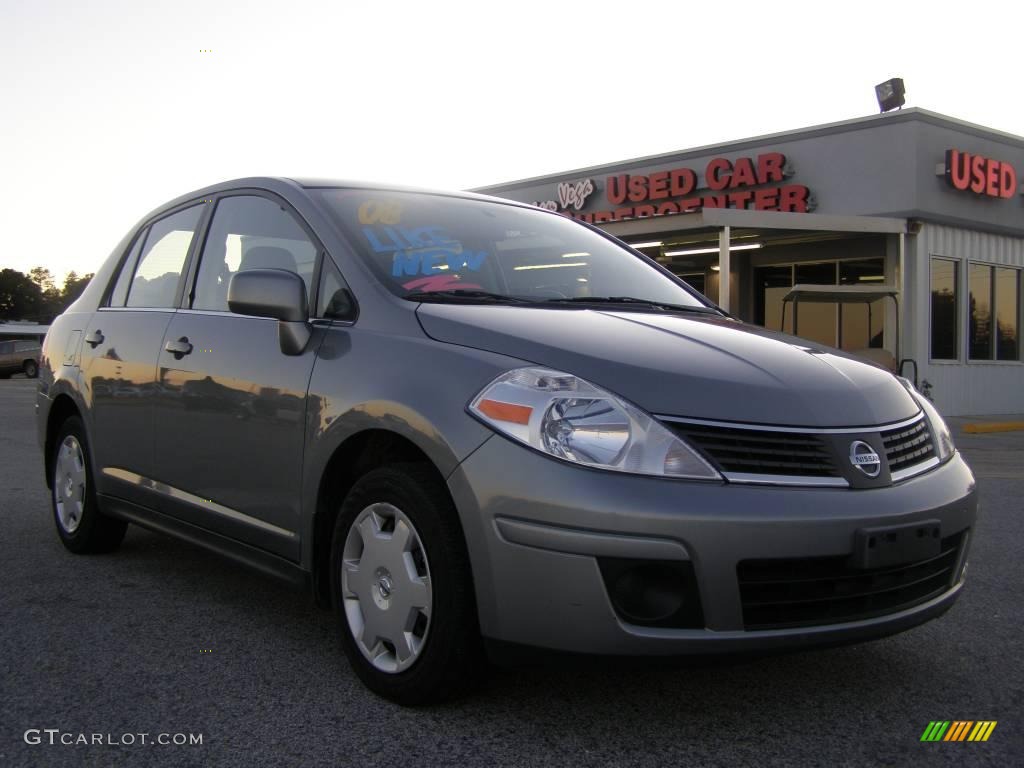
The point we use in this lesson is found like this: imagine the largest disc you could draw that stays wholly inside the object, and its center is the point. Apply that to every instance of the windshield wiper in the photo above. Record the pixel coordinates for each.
(464, 294)
(632, 300)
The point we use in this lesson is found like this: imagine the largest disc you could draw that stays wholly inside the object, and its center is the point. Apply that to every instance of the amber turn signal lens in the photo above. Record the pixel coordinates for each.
(516, 414)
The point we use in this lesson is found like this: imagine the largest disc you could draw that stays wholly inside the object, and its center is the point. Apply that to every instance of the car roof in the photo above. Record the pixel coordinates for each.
(283, 185)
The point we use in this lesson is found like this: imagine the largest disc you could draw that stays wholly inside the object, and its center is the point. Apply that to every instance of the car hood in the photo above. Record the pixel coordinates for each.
(698, 366)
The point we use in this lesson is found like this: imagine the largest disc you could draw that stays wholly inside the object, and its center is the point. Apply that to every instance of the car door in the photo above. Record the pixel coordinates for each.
(119, 356)
(230, 413)
(6, 358)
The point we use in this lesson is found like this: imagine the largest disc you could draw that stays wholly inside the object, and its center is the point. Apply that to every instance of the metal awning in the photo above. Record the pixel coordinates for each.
(716, 218)
(722, 226)
(841, 294)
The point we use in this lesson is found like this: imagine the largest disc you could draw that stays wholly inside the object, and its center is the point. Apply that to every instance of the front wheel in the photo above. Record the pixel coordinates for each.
(402, 586)
(80, 524)
(31, 369)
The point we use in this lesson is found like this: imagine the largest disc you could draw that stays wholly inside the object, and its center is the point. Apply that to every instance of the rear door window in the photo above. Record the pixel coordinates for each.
(155, 282)
(124, 278)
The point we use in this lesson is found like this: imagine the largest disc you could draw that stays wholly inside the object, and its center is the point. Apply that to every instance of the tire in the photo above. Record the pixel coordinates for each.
(80, 524)
(419, 597)
(31, 369)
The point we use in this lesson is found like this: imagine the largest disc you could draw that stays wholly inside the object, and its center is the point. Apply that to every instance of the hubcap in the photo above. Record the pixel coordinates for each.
(69, 484)
(386, 587)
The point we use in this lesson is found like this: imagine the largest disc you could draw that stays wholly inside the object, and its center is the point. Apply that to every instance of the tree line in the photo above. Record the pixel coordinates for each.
(35, 296)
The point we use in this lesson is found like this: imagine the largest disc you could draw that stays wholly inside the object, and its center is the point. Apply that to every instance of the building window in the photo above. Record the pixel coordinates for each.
(944, 309)
(1006, 291)
(994, 318)
(979, 290)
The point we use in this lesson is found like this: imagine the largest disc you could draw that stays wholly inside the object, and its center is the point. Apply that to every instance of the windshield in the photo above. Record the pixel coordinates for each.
(422, 243)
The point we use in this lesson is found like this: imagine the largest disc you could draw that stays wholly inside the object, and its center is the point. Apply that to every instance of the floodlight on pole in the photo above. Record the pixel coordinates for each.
(890, 94)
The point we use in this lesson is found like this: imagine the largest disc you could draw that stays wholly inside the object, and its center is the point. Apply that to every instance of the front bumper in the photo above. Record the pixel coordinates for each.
(537, 528)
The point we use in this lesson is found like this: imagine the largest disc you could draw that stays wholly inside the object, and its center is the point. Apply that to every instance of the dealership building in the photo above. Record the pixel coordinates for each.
(897, 237)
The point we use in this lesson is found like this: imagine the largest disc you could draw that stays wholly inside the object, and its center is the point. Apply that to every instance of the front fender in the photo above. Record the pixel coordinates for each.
(411, 386)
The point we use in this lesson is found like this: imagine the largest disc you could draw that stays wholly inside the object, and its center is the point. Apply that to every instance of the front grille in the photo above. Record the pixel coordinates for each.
(755, 454)
(907, 446)
(761, 452)
(811, 591)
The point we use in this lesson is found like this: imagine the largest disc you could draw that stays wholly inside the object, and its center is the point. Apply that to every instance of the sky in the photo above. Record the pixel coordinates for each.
(108, 109)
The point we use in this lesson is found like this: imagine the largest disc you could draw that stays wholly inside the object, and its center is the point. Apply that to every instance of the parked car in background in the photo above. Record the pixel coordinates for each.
(19, 356)
(468, 424)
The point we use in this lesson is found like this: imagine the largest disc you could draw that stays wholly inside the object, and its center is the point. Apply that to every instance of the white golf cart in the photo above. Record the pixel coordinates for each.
(857, 294)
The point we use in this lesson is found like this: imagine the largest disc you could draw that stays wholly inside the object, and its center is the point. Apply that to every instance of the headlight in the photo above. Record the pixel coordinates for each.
(943, 436)
(571, 419)
(944, 447)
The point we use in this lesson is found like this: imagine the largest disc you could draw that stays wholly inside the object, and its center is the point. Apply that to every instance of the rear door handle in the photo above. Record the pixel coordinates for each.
(179, 348)
(95, 338)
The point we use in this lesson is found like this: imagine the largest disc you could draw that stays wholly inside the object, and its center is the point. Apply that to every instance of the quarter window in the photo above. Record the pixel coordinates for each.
(335, 301)
(163, 256)
(944, 309)
(250, 232)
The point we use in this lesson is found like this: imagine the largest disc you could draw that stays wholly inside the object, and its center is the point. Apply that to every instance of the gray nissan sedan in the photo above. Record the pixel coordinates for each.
(472, 426)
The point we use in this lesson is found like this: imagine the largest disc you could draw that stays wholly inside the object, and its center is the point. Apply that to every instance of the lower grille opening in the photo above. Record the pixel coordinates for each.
(653, 593)
(812, 591)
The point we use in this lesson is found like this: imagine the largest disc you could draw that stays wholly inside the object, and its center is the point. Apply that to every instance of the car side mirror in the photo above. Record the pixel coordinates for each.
(274, 293)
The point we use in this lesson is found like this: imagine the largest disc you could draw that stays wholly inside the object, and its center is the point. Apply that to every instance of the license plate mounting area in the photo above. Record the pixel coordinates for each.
(896, 544)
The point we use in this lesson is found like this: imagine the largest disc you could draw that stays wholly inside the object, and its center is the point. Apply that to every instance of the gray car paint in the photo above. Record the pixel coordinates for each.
(111, 372)
(541, 591)
(411, 370)
(702, 366)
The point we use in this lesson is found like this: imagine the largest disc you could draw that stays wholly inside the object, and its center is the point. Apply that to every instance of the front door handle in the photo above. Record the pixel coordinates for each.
(95, 338)
(179, 348)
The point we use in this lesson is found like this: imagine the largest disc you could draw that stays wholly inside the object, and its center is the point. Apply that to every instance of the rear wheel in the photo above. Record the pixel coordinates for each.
(402, 586)
(80, 524)
(31, 368)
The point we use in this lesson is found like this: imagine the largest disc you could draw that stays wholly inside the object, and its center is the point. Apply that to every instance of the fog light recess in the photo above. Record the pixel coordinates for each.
(653, 593)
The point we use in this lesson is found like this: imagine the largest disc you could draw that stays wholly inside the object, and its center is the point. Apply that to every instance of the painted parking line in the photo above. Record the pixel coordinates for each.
(993, 426)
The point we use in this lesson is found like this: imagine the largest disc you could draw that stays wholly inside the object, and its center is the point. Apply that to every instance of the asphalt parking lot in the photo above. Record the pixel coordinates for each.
(164, 638)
